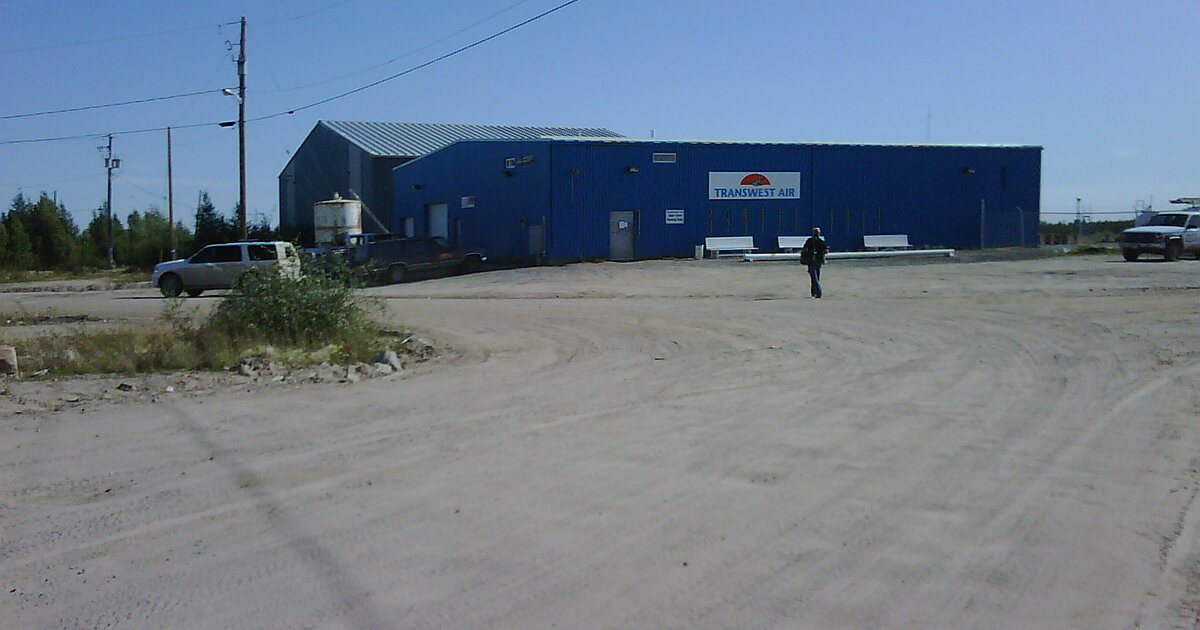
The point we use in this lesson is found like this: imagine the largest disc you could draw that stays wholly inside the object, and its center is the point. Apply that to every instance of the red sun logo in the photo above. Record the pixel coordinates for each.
(756, 179)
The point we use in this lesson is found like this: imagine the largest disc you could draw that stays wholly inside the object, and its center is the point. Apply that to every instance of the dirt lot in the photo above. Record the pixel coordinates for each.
(654, 445)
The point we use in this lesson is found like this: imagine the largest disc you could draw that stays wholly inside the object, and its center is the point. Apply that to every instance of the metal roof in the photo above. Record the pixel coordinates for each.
(384, 139)
(622, 139)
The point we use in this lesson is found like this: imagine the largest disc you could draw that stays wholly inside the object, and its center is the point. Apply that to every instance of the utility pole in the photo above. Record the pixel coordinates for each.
(241, 63)
(110, 164)
(170, 202)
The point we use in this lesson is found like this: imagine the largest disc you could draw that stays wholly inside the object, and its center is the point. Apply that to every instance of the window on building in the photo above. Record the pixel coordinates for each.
(663, 158)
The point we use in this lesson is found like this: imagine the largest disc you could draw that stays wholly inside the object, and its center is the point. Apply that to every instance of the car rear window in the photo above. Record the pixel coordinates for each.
(262, 252)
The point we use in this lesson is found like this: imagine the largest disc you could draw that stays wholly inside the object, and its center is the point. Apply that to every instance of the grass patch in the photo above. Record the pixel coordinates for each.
(1091, 250)
(120, 352)
(316, 315)
(116, 276)
(48, 316)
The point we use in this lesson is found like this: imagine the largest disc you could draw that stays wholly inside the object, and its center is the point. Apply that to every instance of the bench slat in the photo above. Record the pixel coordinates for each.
(879, 241)
(721, 244)
(792, 242)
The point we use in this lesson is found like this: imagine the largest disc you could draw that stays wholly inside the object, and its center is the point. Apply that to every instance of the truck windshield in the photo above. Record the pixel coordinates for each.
(1173, 220)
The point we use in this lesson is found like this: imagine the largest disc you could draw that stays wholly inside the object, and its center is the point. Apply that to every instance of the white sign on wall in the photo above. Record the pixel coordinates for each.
(754, 185)
(674, 217)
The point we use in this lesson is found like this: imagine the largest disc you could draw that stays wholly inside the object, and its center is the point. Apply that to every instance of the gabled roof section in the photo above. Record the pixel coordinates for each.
(382, 139)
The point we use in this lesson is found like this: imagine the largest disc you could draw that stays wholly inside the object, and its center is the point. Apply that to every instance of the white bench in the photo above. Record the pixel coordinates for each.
(886, 241)
(792, 243)
(721, 244)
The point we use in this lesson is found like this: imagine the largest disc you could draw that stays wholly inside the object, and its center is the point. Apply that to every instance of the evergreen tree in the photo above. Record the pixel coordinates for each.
(94, 240)
(211, 227)
(53, 234)
(50, 230)
(20, 249)
(184, 245)
(261, 230)
(3, 245)
(147, 235)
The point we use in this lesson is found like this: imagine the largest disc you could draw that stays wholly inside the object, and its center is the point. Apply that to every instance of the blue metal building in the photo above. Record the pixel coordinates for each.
(576, 199)
(355, 160)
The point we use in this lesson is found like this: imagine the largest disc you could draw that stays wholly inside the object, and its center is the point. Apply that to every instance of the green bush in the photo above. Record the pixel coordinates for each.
(314, 316)
(317, 307)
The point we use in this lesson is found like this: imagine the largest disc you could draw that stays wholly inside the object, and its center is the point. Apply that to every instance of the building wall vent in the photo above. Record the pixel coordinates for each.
(663, 158)
(510, 162)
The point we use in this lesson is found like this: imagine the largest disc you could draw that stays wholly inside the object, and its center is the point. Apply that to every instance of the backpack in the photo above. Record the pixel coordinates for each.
(806, 256)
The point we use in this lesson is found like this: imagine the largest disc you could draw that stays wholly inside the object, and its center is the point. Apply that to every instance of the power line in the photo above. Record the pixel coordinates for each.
(127, 132)
(419, 66)
(122, 103)
(401, 56)
(302, 15)
(288, 112)
(120, 38)
(214, 91)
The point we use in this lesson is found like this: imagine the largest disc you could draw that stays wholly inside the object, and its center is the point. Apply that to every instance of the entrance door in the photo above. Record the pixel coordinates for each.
(621, 231)
(438, 220)
(537, 240)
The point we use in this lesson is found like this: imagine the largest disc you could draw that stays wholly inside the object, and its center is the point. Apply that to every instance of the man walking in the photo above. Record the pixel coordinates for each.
(813, 255)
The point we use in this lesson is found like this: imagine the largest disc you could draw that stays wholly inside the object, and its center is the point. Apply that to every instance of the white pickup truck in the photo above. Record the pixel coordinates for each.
(1168, 234)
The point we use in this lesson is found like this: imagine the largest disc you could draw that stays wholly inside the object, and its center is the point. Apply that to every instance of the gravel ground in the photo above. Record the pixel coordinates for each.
(667, 444)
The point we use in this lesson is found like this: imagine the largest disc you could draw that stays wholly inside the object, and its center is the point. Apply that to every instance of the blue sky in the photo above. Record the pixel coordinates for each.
(1110, 89)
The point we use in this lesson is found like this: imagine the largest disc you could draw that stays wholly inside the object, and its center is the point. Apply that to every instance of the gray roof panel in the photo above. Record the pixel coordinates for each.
(383, 139)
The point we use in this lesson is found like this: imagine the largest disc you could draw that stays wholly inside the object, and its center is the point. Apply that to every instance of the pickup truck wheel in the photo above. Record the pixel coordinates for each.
(397, 273)
(170, 285)
(1130, 254)
(1174, 251)
(194, 292)
(472, 264)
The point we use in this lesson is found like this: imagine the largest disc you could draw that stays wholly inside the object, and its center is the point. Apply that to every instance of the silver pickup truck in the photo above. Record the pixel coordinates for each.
(1168, 234)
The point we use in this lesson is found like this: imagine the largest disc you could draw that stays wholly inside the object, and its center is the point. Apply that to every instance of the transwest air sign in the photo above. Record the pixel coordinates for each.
(757, 185)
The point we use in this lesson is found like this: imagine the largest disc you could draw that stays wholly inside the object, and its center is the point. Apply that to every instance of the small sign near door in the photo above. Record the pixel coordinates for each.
(674, 217)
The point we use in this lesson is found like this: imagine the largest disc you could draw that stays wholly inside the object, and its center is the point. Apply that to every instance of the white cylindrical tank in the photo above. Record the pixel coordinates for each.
(335, 218)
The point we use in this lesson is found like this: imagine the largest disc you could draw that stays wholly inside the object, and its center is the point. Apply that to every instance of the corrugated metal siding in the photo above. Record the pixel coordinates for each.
(505, 205)
(417, 139)
(930, 193)
(320, 167)
(604, 184)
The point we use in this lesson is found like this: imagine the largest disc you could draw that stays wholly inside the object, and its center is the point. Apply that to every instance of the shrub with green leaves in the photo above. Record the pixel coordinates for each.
(317, 307)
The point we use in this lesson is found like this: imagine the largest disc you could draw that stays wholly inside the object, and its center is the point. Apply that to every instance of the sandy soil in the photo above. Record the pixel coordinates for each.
(654, 445)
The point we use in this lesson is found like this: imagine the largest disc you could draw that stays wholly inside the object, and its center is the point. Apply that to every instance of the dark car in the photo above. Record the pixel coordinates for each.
(396, 260)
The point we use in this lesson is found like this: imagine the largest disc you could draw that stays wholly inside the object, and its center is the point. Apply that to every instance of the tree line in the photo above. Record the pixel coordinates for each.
(42, 235)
